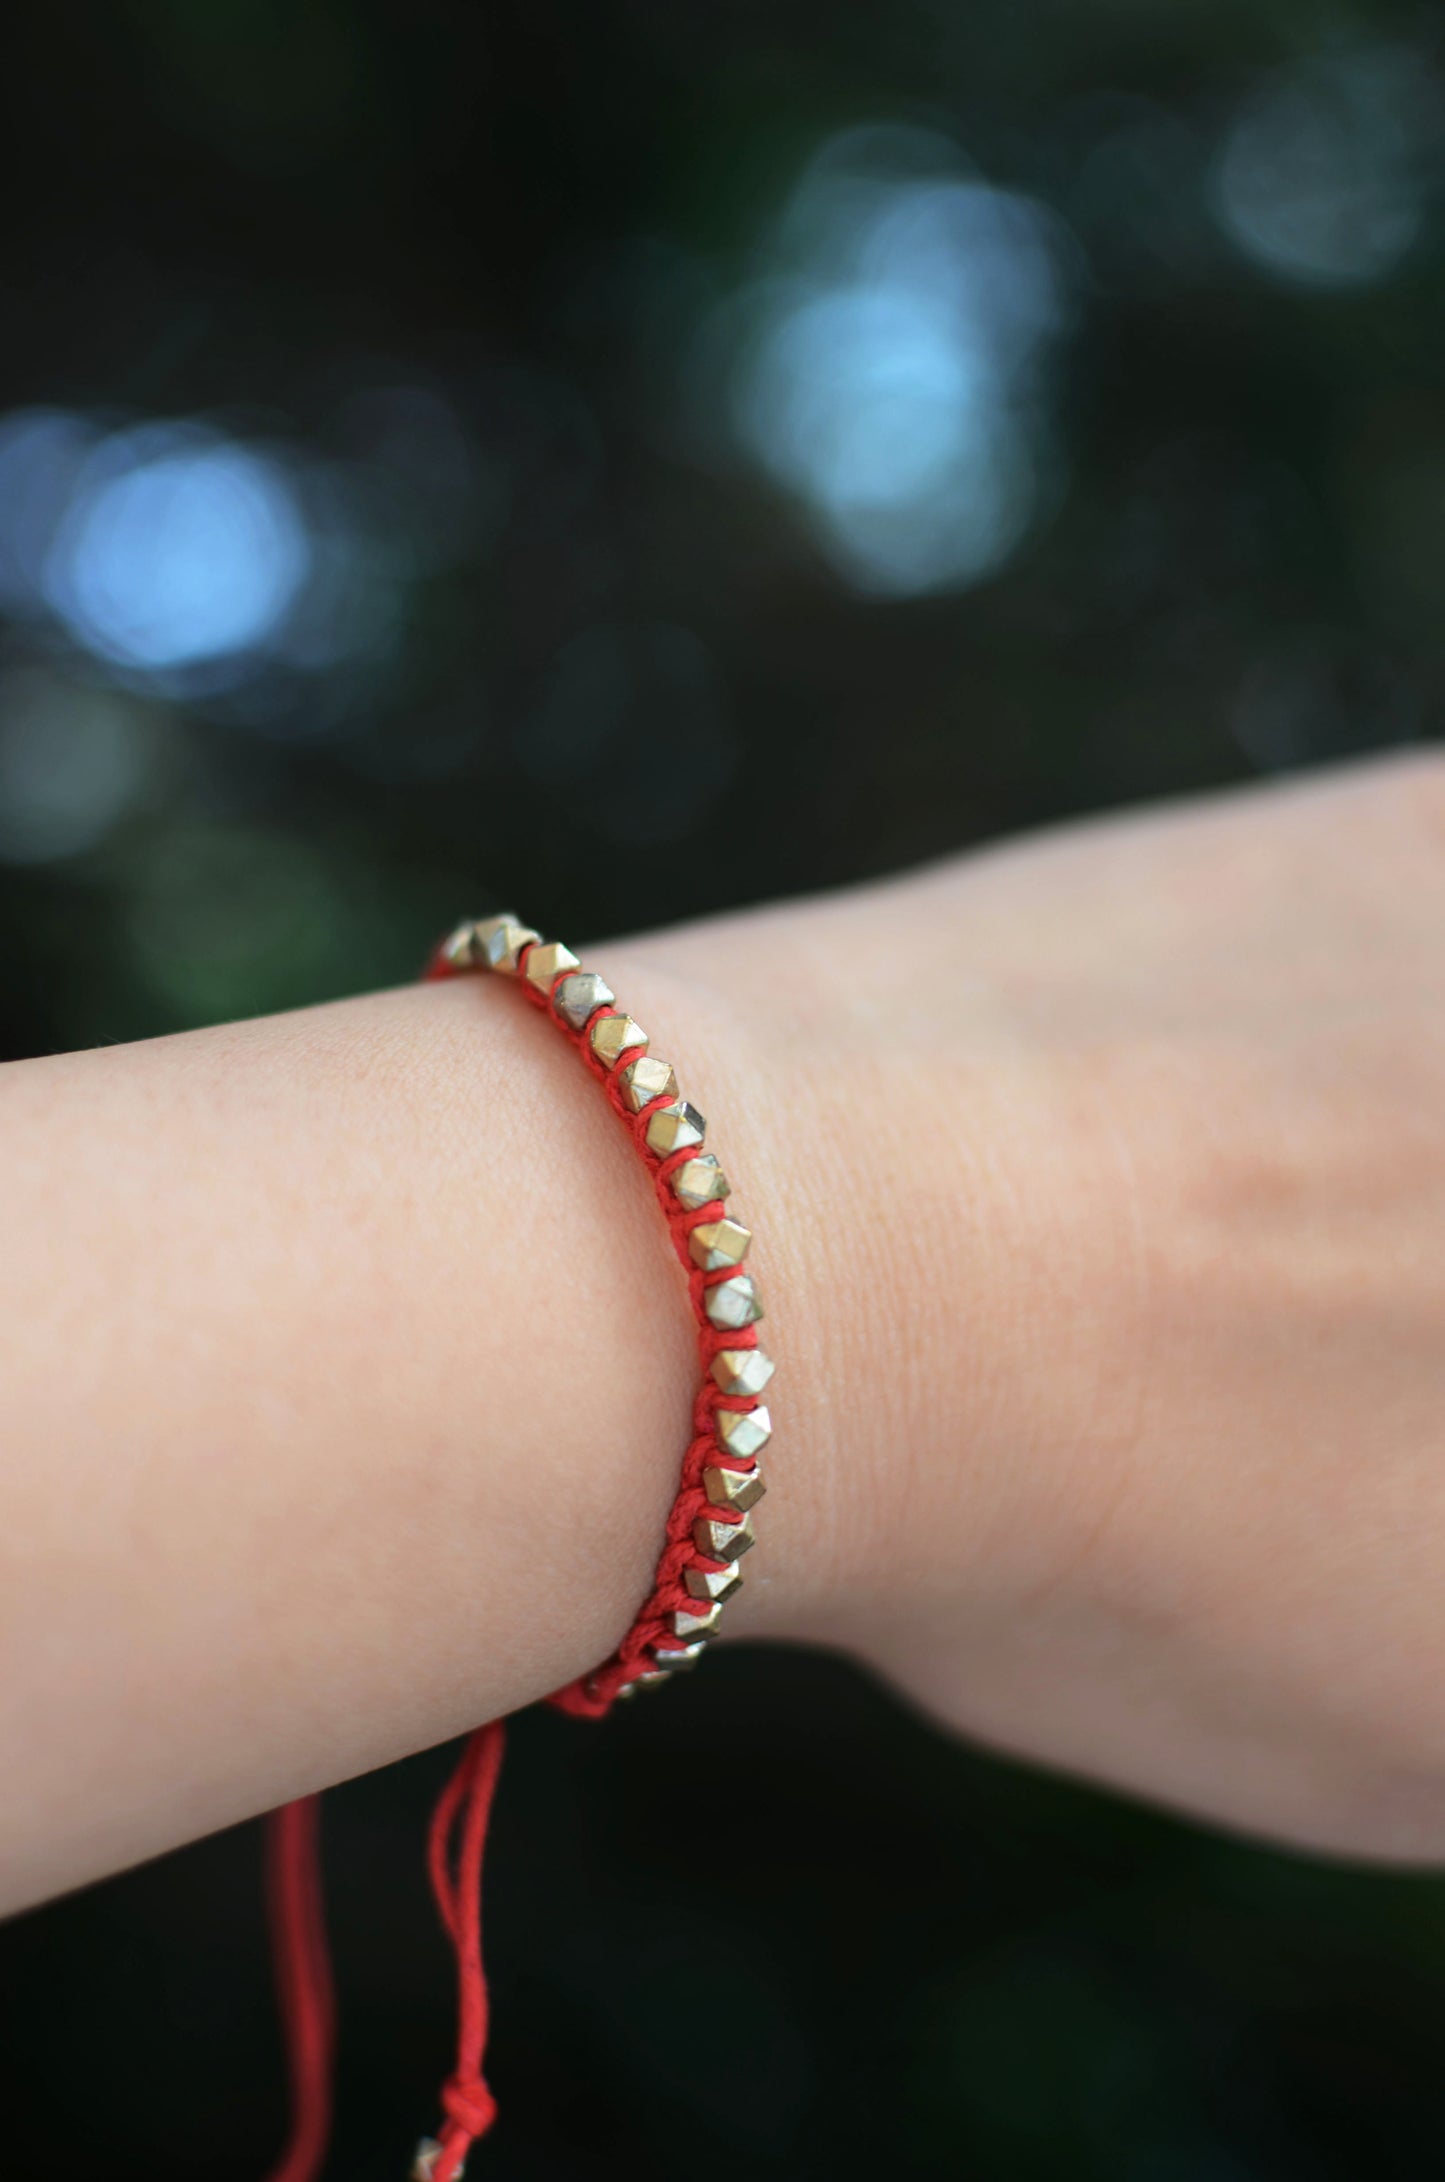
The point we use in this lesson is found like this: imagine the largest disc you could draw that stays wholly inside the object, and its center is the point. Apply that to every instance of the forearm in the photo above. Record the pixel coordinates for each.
(346, 1373)
(1098, 1187)
(347, 1368)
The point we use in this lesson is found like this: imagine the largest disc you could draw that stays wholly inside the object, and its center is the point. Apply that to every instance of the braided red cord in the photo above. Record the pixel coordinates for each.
(459, 1824)
(593, 1695)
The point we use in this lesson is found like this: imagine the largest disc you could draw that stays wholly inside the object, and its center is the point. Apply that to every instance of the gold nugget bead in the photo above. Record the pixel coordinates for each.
(698, 1182)
(545, 964)
(675, 1128)
(742, 1371)
(578, 998)
(614, 1036)
(500, 940)
(719, 1243)
(734, 1303)
(690, 1628)
(743, 1432)
(728, 1488)
(716, 1584)
(678, 1660)
(723, 1541)
(647, 1079)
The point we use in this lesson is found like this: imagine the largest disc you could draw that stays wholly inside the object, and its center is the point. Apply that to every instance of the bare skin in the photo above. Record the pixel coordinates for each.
(1099, 1183)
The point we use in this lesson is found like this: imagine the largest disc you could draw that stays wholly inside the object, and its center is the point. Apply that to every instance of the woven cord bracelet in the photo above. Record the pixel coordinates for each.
(708, 1532)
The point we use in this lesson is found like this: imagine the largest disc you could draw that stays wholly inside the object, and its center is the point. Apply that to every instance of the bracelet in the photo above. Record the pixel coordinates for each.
(708, 1531)
(710, 1526)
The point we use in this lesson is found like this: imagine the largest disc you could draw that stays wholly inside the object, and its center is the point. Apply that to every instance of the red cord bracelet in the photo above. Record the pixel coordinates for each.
(707, 1533)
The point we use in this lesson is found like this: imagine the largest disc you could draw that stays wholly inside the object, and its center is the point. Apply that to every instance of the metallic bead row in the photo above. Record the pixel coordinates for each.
(585, 1005)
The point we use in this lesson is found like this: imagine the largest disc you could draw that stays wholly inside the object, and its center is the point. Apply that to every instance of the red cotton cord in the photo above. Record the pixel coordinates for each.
(303, 1981)
(303, 1970)
(459, 1824)
(454, 1856)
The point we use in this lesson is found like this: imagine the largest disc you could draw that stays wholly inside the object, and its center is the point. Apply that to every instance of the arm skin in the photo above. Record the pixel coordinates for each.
(1099, 1183)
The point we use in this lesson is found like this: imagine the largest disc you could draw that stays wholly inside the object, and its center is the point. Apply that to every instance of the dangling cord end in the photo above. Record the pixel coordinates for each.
(458, 1838)
(303, 1979)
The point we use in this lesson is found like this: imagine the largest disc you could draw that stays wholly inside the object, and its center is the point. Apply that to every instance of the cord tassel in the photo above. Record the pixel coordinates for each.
(303, 1982)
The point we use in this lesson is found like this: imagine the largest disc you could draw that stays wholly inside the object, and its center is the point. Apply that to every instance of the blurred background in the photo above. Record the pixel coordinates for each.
(485, 451)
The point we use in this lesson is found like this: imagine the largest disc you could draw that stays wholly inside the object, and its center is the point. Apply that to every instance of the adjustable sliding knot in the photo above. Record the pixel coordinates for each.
(469, 2103)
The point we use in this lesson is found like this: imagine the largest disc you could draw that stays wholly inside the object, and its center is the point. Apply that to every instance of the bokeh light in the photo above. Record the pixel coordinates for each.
(225, 919)
(268, 581)
(1322, 178)
(179, 549)
(74, 759)
(889, 374)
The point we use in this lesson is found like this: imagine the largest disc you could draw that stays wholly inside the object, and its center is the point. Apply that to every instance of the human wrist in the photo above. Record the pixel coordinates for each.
(944, 1240)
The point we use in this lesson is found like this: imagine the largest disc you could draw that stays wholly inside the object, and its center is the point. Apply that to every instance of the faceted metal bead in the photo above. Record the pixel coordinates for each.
(675, 1128)
(424, 2166)
(700, 1182)
(486, 929)
(546, 964)
(715, 1584)
(645, 1079)
(652, 1679)
(742, 1371)
(740, 1489)
(734, 1303)
(678, 1661)
(615, 1035)
(718, 1243)
(459, 947)
(723, 1541)
(501, 939)
(578, 998)
(690, 1628)
(743, 1432)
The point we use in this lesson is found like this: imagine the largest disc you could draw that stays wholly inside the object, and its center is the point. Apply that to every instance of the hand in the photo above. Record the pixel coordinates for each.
(1104, 1190)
